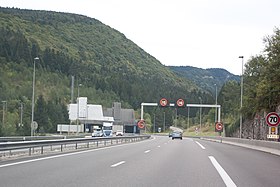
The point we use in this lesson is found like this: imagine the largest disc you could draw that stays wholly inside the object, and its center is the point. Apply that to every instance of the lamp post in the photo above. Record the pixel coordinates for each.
(79, 85)
(200, 113)
(163, 121)
(33, 96)
(241, 97)
(79, 89)
(216, 103)
(4, 108)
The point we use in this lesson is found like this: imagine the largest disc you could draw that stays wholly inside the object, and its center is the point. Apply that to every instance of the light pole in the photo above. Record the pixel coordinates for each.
(79, 89)
(163, 121)
(241, 97)
(216, 98)
(200, 114)
(4, 108)
(79, 85)
(33, 96)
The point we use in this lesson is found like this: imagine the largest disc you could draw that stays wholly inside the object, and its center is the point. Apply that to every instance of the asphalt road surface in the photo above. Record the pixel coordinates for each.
(159, 161)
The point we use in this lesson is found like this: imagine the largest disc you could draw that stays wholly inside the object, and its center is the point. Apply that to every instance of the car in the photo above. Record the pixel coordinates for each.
(170, 134)
(176, 135)
(119, 133)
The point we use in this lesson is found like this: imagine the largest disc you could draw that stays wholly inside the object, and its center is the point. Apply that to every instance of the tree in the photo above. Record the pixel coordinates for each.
(41, 115)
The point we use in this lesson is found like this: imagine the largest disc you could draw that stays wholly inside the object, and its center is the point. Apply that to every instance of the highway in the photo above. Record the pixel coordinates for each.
(159, 161)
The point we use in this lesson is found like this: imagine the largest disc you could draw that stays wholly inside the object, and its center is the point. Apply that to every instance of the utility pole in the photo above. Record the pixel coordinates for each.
(216, 98)
(21, 113)
(33, 97)
(163, 121)
(72, 89)
(4, 108)
(200, 111)
(241, 97)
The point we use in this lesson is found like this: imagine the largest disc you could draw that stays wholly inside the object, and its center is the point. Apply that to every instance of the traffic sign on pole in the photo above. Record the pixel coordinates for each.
(218, 127)
(272, 119)
(141, 124)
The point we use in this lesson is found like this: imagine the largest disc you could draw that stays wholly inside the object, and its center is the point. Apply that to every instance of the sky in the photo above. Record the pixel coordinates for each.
(198, 33)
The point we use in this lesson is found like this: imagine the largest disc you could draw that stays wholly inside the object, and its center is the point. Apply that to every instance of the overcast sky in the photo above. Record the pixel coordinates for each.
(199, 33)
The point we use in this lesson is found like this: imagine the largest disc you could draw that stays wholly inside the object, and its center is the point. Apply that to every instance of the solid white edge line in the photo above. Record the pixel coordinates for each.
(202, 147)
(226, 178)
(117, 164)
(69, 154)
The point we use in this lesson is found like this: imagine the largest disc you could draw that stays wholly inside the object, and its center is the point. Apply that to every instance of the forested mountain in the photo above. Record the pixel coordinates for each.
(109, 67)
(207, 79)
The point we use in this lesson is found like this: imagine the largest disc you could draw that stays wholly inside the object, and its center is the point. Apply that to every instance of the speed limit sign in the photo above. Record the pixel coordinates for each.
(272, 119)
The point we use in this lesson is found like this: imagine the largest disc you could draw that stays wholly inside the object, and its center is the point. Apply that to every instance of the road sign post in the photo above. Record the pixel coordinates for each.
(272, 119)
(218, 127)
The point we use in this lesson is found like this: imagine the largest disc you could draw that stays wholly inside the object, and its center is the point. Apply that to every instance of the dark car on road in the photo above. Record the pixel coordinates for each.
(176, 135)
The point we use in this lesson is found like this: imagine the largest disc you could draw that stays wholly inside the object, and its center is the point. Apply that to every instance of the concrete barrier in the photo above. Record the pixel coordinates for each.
(261, 145)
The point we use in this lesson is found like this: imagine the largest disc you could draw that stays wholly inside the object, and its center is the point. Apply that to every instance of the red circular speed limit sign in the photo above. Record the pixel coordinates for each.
(219, 127)
(163, 102)
(272, 119)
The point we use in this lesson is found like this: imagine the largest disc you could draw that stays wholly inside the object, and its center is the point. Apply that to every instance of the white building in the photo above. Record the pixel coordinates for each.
(87, 115)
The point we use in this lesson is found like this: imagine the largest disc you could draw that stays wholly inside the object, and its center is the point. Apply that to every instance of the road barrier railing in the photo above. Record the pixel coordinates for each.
(8, 149)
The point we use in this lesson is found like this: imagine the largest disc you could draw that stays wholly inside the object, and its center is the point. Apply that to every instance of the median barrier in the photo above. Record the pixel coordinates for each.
(43, 146)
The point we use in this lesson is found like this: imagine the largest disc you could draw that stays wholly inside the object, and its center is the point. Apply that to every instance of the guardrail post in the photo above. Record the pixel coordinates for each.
(30, 151)
(97, 143)
(61, 147)
(42, 149)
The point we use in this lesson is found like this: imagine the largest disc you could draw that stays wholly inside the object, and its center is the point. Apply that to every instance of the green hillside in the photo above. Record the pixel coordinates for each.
(206, 78)
(109, 66)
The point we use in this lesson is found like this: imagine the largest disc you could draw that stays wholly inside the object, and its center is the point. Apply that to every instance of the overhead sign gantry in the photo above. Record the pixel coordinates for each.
(180, 103)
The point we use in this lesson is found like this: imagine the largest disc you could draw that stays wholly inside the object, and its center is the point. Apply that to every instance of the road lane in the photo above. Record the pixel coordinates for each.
(246, 167)
(159, 162)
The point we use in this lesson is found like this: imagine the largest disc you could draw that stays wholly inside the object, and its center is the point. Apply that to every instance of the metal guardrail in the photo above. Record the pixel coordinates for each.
(32, 138)
(41, 146)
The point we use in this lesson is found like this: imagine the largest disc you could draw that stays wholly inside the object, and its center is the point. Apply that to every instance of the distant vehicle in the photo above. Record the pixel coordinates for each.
(176, 135)
(119, 133)
(170, 134)
(107, 129)
(97, 132)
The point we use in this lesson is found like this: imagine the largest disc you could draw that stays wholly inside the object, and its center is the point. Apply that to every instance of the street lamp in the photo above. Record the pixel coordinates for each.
(4, 108)
(79, 89)
(200, 113)
(241, 95)
(79, 85)
(216, 103)
(33, 96)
